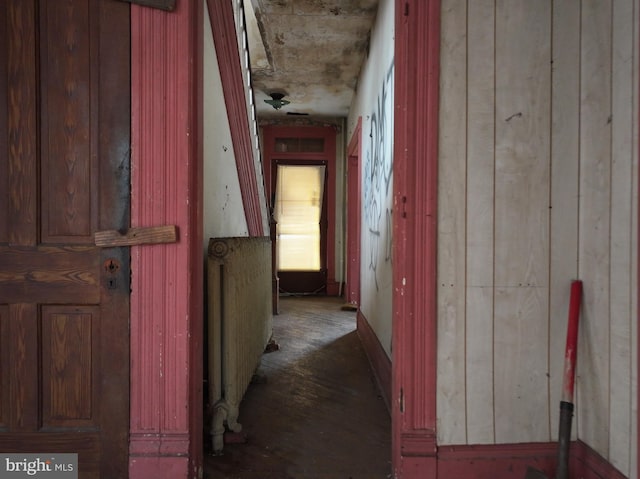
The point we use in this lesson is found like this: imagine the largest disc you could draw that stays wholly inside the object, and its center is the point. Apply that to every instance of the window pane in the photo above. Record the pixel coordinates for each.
(298, 208)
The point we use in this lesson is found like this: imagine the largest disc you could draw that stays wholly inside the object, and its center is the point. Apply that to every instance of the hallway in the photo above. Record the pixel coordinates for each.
(314, 411)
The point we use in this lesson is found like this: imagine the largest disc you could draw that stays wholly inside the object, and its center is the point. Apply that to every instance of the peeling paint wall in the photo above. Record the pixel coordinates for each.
(222, 202)
(374, 103)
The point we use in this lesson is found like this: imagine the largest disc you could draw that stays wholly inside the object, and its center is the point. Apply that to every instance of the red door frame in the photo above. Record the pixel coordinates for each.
(354, 195)
(415, 185)
(167, 280)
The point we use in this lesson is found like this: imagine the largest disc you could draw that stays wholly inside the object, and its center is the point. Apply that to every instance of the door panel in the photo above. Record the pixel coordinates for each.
(64, 174)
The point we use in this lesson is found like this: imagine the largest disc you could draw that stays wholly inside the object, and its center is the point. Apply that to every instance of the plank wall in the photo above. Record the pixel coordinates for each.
(538, 186)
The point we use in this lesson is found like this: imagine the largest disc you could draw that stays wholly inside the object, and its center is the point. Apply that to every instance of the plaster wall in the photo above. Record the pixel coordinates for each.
(374, 103)
(538, 177)
(223, 211)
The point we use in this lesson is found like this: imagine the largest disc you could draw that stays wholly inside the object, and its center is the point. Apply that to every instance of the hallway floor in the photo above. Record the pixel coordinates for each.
(314, 411)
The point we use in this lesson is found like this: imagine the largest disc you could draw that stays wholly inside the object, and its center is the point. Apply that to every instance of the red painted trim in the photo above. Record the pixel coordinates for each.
(417, 52)
(270, 133)
(503, 461)
(510, 461)
(354, 212)
(378, 359)
(586, 463)
(226, 44)
(167, 295)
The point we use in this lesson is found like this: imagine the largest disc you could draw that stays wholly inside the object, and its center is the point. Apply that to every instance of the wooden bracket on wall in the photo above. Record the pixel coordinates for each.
(136, 236)
(168, 5)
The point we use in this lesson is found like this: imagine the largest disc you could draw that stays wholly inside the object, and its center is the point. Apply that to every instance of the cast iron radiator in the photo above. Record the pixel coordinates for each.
(239, 326)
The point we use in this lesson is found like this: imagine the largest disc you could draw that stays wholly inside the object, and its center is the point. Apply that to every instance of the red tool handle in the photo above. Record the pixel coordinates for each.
(571, 349)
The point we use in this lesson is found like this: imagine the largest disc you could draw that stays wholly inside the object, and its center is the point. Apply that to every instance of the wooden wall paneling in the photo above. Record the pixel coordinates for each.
(622, 222)
(451, 403)
(595, 227)
(523, 70)
(22, 124)
(565, 178)
(480, 221)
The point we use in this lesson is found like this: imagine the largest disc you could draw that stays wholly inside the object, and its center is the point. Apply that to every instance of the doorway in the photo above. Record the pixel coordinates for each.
(300, 179)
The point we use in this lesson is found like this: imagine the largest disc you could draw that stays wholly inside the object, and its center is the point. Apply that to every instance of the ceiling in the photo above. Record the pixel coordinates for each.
(310, 50)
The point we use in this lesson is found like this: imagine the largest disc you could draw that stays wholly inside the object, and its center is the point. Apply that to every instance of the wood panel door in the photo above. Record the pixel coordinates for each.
(64, 174)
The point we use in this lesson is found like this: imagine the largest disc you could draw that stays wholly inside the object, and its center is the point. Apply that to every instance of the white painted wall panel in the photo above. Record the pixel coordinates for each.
(565, 163)
(522, 66)
(539, 123)
(451, 398)
(480, 193)
(595, 224)
(622, 209)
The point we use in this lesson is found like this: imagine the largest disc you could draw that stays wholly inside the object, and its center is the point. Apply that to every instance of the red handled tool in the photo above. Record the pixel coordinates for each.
(568, 383)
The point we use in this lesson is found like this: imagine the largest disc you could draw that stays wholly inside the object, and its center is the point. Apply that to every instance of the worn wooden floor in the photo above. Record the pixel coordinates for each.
(314, 411)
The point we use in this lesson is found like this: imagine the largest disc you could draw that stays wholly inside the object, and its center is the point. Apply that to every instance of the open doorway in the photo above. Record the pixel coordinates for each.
(295, 142)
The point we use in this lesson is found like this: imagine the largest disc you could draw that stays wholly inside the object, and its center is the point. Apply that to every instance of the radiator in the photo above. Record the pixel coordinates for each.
(239, 326)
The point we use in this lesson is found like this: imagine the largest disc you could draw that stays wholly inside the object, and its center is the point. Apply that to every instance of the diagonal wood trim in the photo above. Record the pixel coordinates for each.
(226, 45)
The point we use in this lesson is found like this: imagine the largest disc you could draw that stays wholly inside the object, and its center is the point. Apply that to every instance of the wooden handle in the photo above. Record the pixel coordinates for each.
(136, 236)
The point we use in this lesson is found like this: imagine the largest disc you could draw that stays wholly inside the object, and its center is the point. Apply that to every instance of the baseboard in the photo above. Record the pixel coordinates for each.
(380, 362)
(588, 464)
(499, 461)
(334, 288)
(510, 461)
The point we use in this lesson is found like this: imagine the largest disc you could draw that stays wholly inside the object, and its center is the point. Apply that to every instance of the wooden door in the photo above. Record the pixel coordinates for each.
(64, 174)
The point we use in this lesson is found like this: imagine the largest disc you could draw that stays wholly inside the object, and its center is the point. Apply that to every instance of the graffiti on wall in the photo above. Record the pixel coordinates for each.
(378, 172)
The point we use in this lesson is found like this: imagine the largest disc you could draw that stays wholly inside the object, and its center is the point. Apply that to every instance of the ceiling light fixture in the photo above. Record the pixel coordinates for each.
(277, 101)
